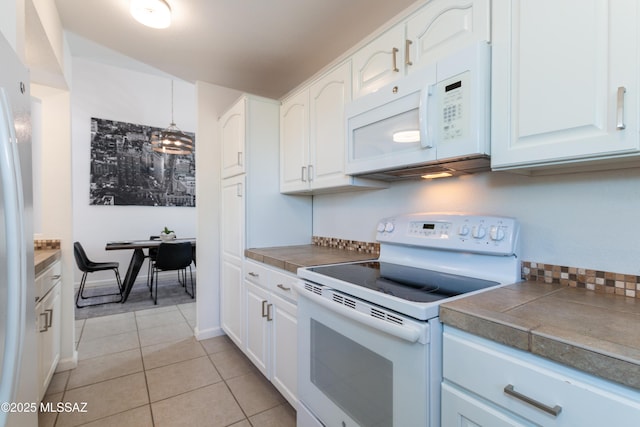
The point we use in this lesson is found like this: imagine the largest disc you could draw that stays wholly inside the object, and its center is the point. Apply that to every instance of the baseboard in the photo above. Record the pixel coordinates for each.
(207, 333)
(68, 363)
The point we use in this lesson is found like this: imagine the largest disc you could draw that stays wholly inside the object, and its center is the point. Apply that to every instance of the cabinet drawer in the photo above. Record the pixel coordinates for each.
(487, 368)
(256, 273)
(47, 280)
(282, 285)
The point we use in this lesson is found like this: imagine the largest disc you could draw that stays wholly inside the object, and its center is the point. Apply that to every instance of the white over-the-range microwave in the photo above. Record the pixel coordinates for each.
(433, 122)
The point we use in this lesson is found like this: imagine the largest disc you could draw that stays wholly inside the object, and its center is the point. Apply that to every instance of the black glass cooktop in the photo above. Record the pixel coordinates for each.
(409, 283)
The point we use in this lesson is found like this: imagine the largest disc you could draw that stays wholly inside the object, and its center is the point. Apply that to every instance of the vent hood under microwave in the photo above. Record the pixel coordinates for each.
(434, 120)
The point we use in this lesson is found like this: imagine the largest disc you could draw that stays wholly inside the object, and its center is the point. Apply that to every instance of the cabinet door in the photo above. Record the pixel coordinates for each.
(328, 97)
(48, 324)
(232, 216)
(258, 315)
(231, 283)
(285, 349)
(564, 81)
(232, 139)
(380, 62)
(294, 143)
(232, 301)
(445, 26)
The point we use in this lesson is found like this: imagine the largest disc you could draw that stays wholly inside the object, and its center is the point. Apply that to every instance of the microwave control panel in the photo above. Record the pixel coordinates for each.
(454, 102)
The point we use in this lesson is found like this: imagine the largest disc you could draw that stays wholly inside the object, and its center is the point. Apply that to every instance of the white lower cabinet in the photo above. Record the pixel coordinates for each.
(48, 324)
(271, 319)
(284, 348)
(489, 384)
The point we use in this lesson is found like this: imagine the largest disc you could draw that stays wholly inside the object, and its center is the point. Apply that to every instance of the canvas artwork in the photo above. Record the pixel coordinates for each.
(126, 171)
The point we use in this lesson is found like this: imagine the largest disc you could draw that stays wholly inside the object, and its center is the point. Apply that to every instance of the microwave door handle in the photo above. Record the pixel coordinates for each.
(423, 116)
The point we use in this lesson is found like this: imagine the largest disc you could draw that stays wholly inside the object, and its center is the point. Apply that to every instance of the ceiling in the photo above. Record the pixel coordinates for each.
(264, 47)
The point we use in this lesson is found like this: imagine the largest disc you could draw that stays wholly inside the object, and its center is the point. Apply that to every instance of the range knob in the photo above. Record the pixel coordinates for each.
(380, 227)
(463, 230)
(389, 227)
(496, 233)
(478, 232)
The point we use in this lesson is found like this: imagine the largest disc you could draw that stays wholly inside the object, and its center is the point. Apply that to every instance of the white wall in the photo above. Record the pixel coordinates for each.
(585, 220)
(113, 93)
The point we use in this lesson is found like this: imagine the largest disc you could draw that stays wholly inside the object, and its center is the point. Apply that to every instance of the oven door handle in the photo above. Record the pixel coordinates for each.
(406, 332)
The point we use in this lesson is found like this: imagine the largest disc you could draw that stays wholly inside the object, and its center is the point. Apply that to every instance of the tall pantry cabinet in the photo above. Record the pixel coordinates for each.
(254, 213)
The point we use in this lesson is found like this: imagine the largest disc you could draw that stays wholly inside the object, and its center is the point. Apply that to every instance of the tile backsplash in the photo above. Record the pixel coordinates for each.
(595, 280)
(40, 244)
(350, 245)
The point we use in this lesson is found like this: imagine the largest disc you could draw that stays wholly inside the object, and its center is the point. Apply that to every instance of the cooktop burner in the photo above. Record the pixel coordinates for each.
(408, 283)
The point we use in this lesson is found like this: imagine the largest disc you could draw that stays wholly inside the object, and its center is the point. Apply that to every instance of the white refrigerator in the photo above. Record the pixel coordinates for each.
(18, 351)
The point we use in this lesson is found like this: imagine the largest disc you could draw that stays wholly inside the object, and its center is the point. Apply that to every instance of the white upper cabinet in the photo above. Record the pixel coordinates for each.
(443, 27)
(232, 135)
(439, 28)
(312, 137)
(564, 82)
(380, 62)
(294, 143)
(327, 98)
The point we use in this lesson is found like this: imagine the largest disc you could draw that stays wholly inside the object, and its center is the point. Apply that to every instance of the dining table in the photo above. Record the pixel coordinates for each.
(138, 257)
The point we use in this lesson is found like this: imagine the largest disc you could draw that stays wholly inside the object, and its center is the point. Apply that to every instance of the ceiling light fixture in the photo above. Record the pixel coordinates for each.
(171, 140)
(152, 13)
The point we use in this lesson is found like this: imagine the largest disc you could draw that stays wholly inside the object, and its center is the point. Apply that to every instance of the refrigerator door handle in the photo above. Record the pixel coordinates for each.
(16, 254)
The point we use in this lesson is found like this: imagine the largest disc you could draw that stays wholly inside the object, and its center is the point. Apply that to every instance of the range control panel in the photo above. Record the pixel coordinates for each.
(495, 235)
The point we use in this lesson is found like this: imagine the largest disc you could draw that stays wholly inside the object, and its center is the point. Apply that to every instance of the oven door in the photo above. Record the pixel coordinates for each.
(362, 365)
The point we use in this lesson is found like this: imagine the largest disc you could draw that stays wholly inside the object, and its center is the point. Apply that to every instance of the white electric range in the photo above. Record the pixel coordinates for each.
(369, 336)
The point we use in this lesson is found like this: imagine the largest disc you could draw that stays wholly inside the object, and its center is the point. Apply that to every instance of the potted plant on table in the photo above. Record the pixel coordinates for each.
(166, 235)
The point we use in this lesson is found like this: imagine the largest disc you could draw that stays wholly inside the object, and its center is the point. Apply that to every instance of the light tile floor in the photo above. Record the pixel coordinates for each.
(146, 369)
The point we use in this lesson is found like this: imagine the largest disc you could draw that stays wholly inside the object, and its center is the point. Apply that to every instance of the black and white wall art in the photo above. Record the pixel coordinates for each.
(126, 171)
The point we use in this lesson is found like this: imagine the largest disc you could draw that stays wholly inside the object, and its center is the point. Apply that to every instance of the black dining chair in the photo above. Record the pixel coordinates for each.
(152, 254)
(87, 266)
(173, 256)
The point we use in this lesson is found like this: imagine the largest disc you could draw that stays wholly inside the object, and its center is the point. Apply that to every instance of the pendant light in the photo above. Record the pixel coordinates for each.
(171, 140)
(152, 13)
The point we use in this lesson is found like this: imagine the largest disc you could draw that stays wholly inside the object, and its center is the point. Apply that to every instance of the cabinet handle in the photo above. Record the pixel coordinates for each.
(252, 274)
(46, 321)
(407, 52)
(555, 411)
(269, 318)
(56, 277)
(49, 312)
(239, 158)
(239, 190)
(310, 169)
(283, 287)
(265, 309)
(394, 58)
(620, 108)
(302, 176)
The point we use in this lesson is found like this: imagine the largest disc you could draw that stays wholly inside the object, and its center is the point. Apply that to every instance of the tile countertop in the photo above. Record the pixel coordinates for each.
(594, 332)
(43, 258)
(289, 258)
